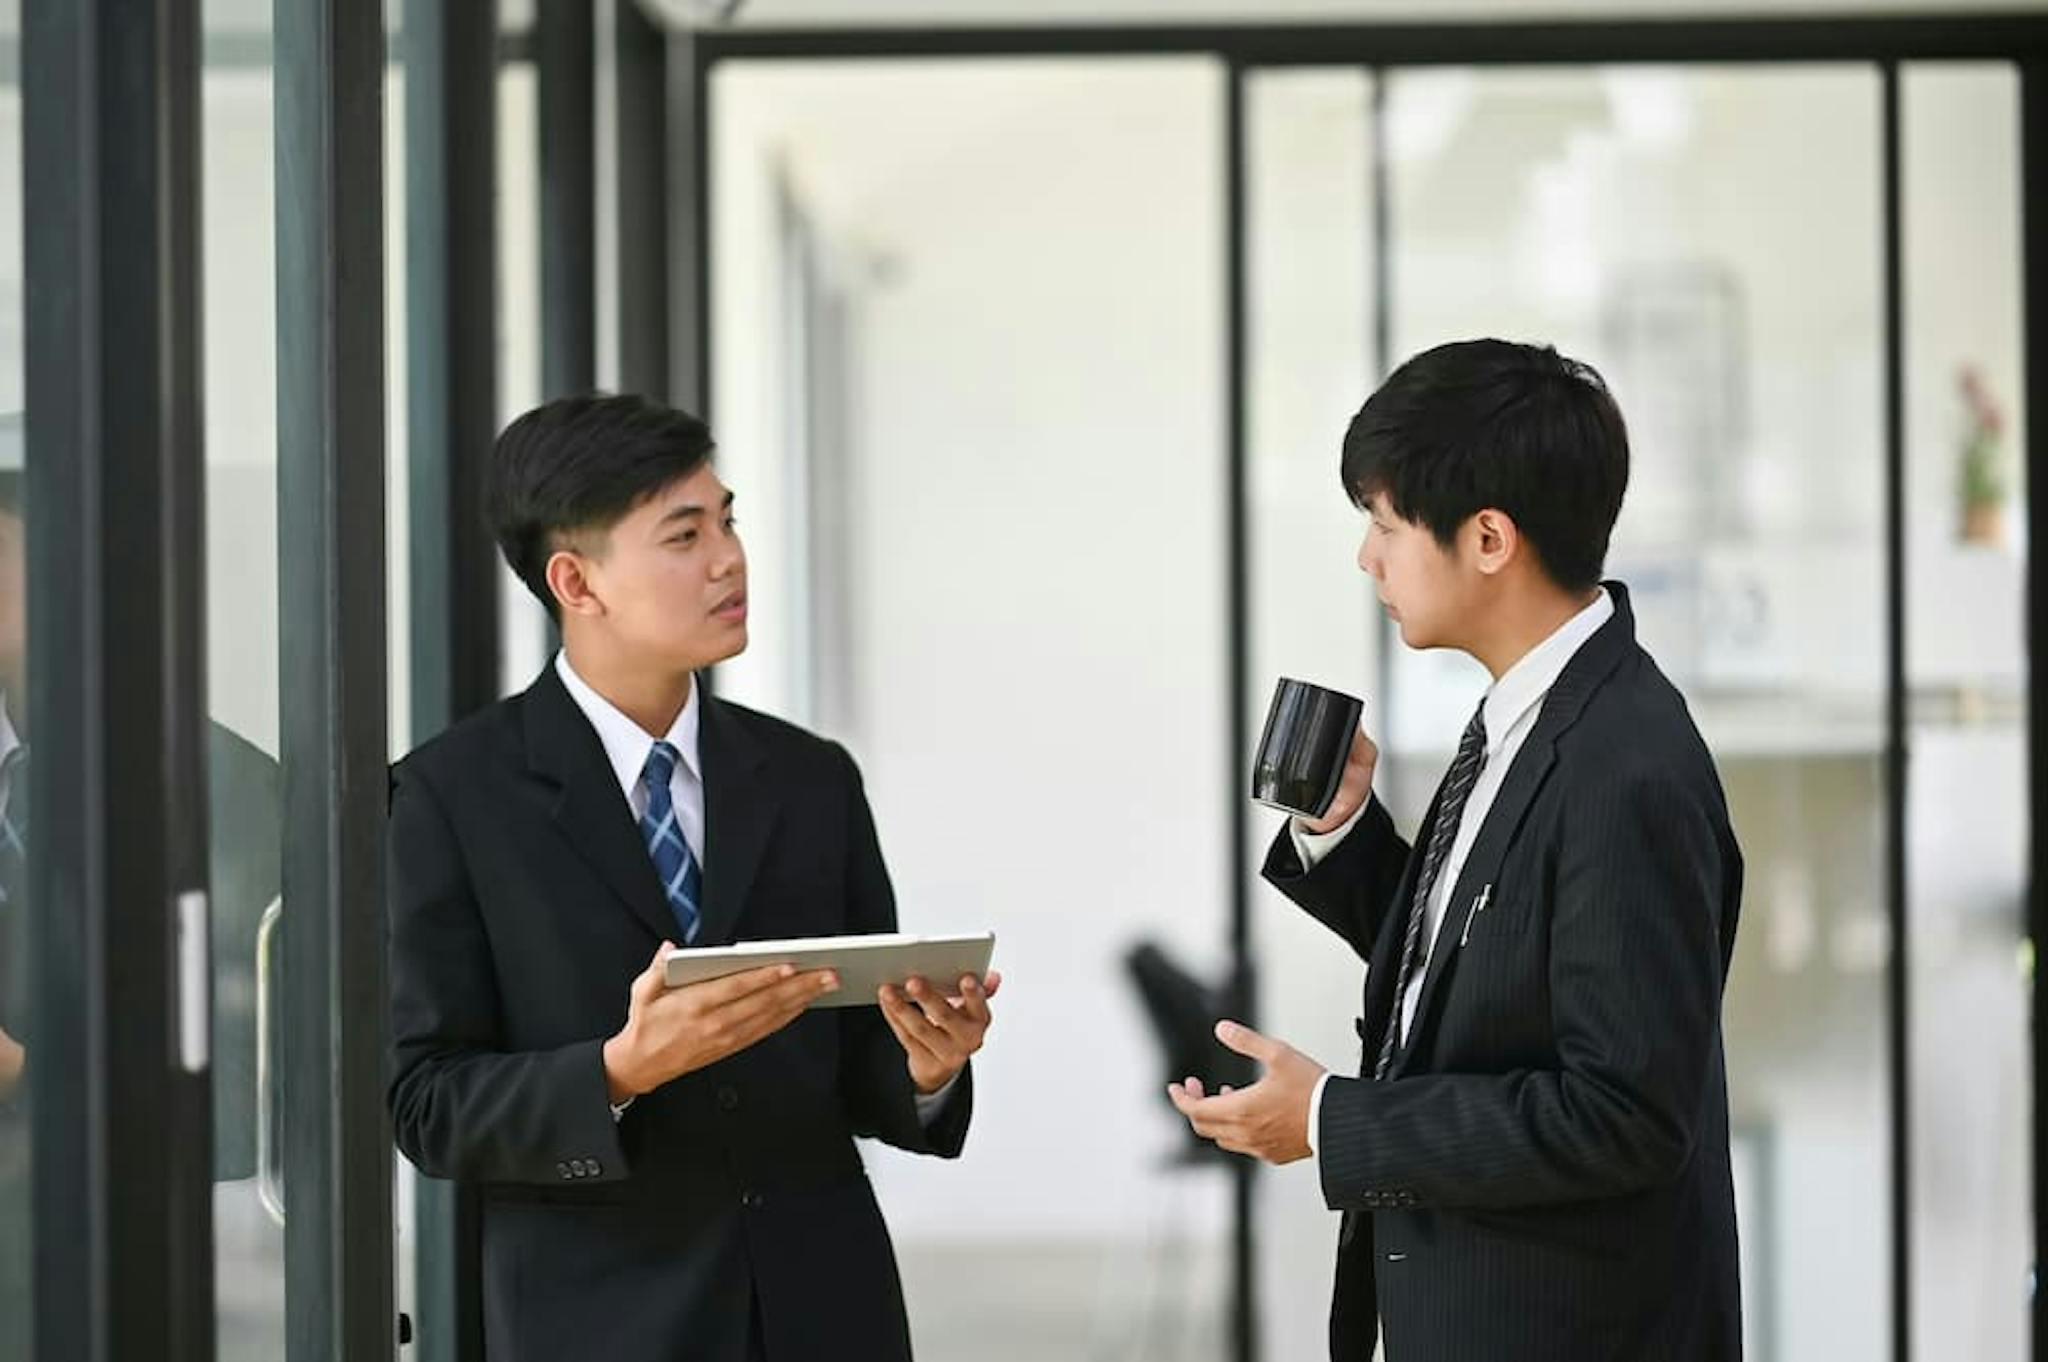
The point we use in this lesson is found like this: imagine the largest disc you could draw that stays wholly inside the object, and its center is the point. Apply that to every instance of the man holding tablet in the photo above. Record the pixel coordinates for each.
(664, 1172)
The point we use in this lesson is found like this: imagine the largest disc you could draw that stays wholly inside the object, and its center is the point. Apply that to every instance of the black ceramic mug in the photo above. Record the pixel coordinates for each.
(1300, 761)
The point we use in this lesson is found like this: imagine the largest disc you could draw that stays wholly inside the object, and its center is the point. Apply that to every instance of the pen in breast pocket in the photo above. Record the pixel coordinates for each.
(1478, 907)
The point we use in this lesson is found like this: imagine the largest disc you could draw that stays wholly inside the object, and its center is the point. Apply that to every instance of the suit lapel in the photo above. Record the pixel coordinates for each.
(1380, 1001)
(1565, 701)
(563, 750)
(1503, 820)
(739, 813)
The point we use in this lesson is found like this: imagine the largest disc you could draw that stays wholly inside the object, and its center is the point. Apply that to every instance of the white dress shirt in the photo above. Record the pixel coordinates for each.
(626, 747)
(10, 743)
(1512, 706)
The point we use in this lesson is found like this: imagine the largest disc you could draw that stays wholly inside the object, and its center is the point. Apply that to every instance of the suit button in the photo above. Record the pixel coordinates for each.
(596, 1168)
(751, 1200)
(728, 1099)
(563, 1169)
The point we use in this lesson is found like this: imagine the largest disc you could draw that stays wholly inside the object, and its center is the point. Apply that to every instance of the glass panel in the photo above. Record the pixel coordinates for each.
(1011, 304)
(1967, 804)
(1725, 277)
(1314, 614)
(1709, 239)
(16, 976)
(398, 551)
(240, 319)
(525, 638)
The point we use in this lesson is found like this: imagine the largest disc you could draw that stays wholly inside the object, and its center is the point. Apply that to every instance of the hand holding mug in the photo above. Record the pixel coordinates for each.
(1314, 760)
(1353, 789)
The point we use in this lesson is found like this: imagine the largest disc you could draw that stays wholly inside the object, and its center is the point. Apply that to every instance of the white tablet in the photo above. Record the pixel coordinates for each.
(864, 963)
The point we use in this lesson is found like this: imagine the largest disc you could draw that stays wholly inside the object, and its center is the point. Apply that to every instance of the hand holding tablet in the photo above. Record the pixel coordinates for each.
(863, 964)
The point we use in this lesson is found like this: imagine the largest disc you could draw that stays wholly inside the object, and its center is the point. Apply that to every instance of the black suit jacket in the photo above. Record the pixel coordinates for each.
(523, 903)
(1545, 1175)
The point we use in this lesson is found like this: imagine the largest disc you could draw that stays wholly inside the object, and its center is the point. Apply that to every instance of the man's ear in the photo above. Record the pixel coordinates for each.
(569, 579)
(1495, 540)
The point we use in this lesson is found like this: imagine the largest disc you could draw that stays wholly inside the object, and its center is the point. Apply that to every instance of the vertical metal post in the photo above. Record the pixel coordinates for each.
(330, 515)
(451, 56)
(2034, 254)
(1898, 1033)
(641, 64)
(118, 1036)
(565, 55)
(1244, 1314)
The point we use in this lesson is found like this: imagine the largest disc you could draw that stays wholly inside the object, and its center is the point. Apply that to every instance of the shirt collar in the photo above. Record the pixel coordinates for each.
(10, 739)
(1524, 685)
(626, 744)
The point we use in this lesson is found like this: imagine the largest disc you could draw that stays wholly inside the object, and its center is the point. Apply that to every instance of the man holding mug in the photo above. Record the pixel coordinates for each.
(1533, 1160)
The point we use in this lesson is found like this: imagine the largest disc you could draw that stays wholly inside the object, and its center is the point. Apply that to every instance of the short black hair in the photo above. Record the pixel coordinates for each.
(1492, 423)
(579, 464)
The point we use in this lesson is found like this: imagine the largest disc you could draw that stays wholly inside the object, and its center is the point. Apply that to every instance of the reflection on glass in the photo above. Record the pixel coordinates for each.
(16, 1257)
(239, 314)
(16, 1260)
(1708, 238)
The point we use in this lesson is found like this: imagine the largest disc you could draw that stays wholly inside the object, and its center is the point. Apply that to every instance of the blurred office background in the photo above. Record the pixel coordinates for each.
(1031, 391)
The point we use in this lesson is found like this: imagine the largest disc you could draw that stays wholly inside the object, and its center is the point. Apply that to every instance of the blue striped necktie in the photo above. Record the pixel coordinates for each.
(14, 824)
(682, 879)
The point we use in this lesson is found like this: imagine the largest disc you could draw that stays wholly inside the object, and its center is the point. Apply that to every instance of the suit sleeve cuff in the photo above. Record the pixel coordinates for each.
(1311, 847)
(930, 1108)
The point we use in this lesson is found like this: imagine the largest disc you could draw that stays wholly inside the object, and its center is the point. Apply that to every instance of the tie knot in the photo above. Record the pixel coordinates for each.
(660, 767)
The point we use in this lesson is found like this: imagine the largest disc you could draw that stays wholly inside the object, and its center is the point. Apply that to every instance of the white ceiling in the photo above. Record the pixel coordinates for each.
(850, 13)
(233, 16)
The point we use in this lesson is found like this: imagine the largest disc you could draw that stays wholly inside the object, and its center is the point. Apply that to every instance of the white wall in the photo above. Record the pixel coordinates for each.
(1034, 252)
(1314, 614)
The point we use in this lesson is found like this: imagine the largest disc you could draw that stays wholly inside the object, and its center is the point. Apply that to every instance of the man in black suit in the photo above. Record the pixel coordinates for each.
(664, 1173)
(1533, 1161)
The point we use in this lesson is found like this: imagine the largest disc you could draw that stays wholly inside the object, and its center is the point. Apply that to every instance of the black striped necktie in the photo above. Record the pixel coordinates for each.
(1464, 774)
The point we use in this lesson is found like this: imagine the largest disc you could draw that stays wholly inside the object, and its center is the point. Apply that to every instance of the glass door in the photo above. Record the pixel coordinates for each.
(244, 786)
(1710, 238)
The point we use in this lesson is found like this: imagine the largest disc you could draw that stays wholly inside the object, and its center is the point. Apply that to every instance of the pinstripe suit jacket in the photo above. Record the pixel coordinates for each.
(1544, 1176)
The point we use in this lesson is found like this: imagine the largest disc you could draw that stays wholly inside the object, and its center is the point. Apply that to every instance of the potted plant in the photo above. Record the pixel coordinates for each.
(1981, 481)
